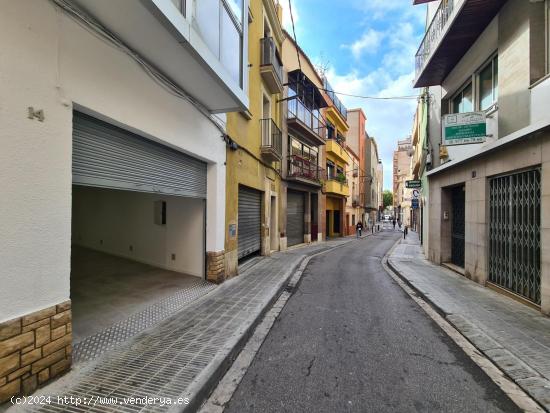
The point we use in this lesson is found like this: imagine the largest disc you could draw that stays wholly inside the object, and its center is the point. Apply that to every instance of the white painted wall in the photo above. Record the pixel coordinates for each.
(49, 62)
(120, 219)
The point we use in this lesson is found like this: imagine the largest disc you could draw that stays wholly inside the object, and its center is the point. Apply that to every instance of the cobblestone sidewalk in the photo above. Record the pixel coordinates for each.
(513, 336)
(184, 355)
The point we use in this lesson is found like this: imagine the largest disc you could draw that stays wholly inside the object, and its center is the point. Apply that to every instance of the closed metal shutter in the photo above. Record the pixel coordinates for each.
(110, 157)
(295, 218)
(249, 221)
(514, 233)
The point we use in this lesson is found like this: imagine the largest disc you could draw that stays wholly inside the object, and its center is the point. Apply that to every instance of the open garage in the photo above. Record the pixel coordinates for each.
(138, 224)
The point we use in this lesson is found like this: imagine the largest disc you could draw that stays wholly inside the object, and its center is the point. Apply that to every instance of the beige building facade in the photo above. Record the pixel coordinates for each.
(402, 164)
(489, 202)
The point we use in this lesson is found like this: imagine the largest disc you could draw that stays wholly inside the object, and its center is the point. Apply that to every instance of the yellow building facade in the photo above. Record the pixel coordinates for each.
(338, 161)
(254, 152)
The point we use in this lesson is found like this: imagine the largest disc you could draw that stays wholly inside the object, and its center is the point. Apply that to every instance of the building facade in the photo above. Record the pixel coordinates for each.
(374, 183)
(304, 137)
(106, 152)
(338, 165)
(489, 201)
(356, 143)
(253, 183)
(402, 158)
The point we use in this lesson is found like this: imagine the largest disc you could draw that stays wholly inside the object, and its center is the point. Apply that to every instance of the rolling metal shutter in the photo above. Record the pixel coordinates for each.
(110, 157)
(249, 225)
(295, 218)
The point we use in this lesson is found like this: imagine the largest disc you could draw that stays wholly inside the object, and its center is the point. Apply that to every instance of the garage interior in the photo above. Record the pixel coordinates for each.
(138, 232)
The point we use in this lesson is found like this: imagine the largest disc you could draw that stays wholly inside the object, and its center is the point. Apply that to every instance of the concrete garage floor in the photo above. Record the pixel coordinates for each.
(106, 289)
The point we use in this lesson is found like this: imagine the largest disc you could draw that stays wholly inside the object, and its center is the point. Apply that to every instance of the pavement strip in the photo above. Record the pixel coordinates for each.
(512, 390)
(229, 383)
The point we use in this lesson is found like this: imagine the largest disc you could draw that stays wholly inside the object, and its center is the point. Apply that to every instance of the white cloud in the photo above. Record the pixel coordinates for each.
(287, 21)
(387, 120)
(368, 43)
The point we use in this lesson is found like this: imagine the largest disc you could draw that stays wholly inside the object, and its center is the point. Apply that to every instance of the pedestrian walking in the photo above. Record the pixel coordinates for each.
(359, 229)
(393, 224)
(405, 232)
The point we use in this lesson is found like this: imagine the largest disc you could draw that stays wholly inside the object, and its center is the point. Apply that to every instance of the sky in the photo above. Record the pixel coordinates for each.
(368, 48)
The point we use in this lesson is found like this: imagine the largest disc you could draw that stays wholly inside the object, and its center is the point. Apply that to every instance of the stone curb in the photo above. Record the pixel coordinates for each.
(207, 380)
(518, 371)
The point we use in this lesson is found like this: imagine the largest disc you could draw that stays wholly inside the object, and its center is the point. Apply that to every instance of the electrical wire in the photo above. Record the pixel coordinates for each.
(294, 33)
(99, 30)
(375, 97)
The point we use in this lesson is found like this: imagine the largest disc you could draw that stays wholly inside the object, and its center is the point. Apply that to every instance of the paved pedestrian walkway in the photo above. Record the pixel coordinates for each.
(184, 355)
(513, 336)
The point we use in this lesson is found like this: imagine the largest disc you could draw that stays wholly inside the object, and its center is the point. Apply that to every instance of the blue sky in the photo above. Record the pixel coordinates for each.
(368, 47)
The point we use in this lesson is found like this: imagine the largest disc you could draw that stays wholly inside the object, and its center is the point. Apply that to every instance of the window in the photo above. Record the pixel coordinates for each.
(463, 100)
(180, 4)
(303, 151)
(224, 39)
(488, 84)
(296, 147)
(331, 168)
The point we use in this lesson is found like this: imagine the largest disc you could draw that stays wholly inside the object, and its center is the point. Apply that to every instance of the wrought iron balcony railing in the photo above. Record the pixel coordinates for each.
(297, 110)
(270, 56)
(433, 34)
(300, 167)
(272, 139)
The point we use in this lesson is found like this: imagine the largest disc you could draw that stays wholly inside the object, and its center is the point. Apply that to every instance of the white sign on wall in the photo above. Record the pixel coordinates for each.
(463, 128)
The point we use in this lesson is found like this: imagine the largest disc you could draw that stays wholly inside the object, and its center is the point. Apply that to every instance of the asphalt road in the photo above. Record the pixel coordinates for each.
(351, 340)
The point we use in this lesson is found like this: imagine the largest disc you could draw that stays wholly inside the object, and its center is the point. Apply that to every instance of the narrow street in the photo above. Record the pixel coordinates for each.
(350, 339)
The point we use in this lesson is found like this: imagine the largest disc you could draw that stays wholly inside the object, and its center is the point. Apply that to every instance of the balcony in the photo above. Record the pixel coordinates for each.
(304, 170)
(271, 67)
(334, 186)
(342, 110)
(334, 147)
(272, 140)
(174, 44)
(455, 27)
(306, 122)
(355, 201)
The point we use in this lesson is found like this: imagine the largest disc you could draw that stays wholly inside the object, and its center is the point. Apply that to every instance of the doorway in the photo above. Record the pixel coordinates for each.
(458, 225)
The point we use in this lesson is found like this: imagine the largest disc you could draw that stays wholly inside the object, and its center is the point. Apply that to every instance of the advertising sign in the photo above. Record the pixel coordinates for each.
(463, 128)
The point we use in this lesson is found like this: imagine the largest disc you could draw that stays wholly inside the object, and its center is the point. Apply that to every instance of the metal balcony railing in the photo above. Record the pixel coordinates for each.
(270, 56)
(297, 110)
(337, 103)
(300, 167)
(272, 137)
(433, 34)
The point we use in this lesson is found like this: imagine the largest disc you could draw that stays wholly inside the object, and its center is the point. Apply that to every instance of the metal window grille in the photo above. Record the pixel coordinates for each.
(514, 233)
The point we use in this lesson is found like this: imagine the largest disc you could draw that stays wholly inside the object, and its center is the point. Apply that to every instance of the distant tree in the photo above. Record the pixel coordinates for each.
(388, 198)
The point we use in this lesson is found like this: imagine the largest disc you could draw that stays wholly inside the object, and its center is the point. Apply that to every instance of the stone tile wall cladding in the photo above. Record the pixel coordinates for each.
(215, 270)
(34, 349)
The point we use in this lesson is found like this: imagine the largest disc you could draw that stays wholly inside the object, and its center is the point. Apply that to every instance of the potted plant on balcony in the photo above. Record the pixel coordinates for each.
(341, 178)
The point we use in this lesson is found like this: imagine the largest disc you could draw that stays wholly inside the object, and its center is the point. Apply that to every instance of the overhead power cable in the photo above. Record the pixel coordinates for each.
(374, 97)
(294, 33)
(102, 32)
